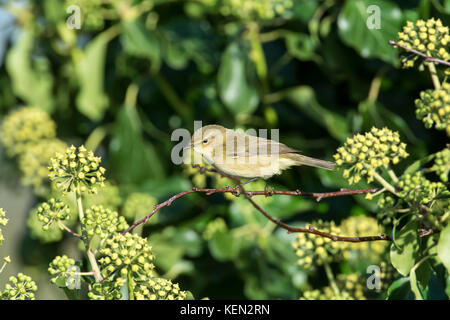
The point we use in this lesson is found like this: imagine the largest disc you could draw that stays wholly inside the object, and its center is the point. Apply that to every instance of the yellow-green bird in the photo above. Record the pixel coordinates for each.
(245, 156)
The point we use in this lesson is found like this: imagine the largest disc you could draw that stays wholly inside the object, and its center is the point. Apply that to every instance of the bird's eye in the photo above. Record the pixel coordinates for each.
(205, 141)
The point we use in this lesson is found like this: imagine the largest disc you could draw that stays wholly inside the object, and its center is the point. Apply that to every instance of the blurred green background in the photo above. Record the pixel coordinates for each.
(137, 70)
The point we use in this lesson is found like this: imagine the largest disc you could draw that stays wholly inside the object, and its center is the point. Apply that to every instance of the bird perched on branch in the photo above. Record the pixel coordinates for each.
(245, 156)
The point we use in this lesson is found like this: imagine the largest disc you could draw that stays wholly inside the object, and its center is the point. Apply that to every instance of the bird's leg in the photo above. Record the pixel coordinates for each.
(238, 187)
(248, 181)
(266, 189)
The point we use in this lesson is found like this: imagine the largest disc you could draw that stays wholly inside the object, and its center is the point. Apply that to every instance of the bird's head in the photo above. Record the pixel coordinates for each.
(207, 139)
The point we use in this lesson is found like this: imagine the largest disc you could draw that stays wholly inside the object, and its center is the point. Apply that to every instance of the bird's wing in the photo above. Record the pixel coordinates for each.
(245, 146)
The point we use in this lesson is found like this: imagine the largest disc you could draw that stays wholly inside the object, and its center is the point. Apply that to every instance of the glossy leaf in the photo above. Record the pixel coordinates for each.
(405, 250)
(92, 100)
(31, 76)
(443, 247)
(236, 89)
(353, 26)
(140, 42)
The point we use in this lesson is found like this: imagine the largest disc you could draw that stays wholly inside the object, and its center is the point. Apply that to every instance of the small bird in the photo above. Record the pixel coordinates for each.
(244, 156)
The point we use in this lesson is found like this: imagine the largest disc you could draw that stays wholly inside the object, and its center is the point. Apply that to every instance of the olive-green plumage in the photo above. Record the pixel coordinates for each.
(247, 156)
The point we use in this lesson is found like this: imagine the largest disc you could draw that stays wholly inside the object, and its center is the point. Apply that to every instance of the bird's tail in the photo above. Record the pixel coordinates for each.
(308, 161)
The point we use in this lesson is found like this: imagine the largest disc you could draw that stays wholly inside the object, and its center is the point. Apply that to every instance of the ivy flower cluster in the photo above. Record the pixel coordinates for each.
(255, 9)
(77, 170)
(312, 249)
(123, 257)
(416, 187)
(25, 127)
(326, 294)
(442, 164)
(61, 266)
(33, 163)
(430, 37)
(362, 154)
(360, 226)
(103, 222)
(158, 289)
(138, 205)
(52, 211)
(433, 107)
(352, 283)
(20, 287)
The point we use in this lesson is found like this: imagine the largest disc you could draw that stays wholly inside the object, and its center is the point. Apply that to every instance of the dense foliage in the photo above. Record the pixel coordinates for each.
(86, 120)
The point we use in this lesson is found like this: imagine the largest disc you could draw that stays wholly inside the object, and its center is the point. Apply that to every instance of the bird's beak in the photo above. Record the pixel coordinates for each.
(189, 146)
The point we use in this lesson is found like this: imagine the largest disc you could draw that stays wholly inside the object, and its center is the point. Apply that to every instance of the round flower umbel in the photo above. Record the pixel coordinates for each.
(34, 162)
(158, 289)
(360, 226)
(77, 170)
(363, 154)
(433, 107)
(25, 127)
(430, 37)
(52, 211)
(21, 287)
(3, 222)
(103, 222)
(62, 266)
(326, 294)
(126, 255)
(419, 189)
(442, 164)
(312, 249)
(138, 205)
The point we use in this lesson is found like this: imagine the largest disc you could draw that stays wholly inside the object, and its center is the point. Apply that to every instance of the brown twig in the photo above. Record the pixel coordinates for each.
(416, 52)
(239, 189)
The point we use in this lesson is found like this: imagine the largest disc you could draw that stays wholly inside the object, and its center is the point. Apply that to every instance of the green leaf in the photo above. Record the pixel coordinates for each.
(133, 159)
(404, 252)
(31, 76)
(418, 164)
(236, 89)
(353, 28)
(400, 290)
(140, 42)
(92, 100)
(443, 247)
(304, 98)
(419, 277)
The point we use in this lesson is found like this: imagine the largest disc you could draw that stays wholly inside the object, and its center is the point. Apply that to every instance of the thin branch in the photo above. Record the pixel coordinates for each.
(416, 52)
(239, 189)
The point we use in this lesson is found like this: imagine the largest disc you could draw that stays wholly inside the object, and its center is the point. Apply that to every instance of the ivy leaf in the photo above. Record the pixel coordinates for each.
(142, 43)
(404, 252)
(92, 100)
(370, 43)
(237, 91)
(305, 99)
(416, 165)
(31, 77)
(400, 290)
(443, 247)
